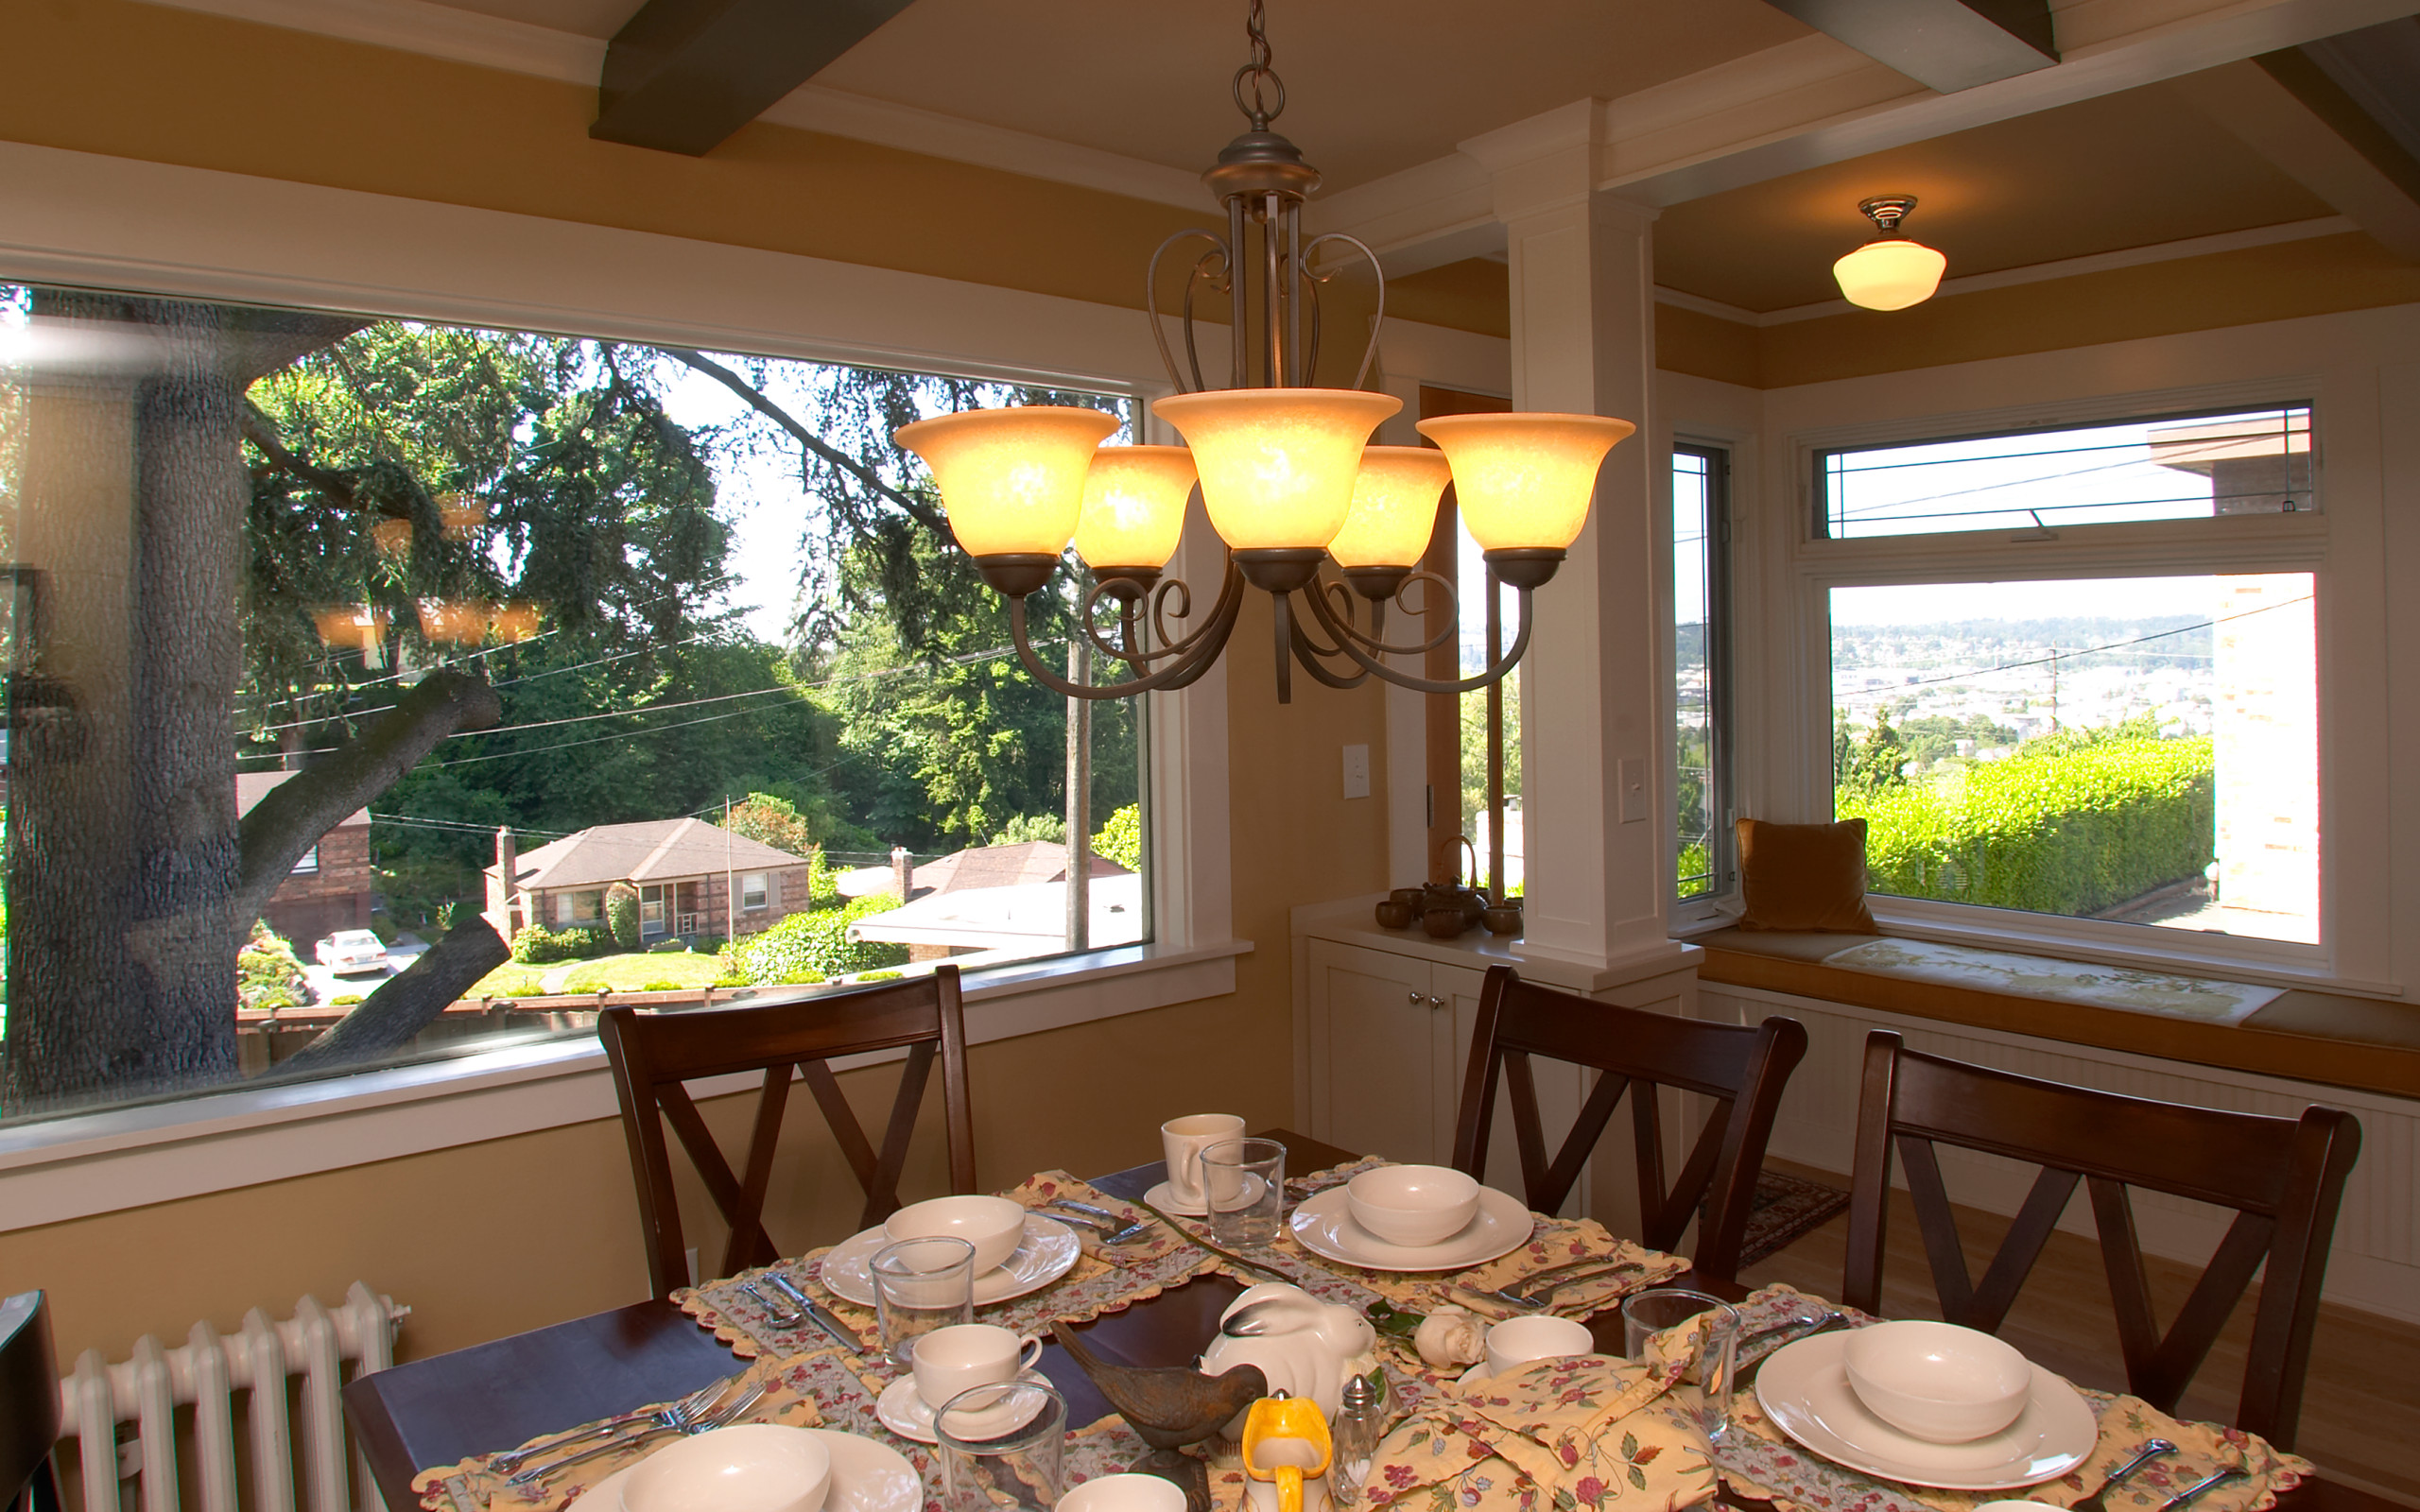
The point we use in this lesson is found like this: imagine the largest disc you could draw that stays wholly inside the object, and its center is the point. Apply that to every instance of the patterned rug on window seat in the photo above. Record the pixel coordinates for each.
(1785, 1209)
(2038, 976)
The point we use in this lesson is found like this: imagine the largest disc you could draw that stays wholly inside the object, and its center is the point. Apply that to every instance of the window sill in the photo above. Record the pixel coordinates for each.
(112, 1160)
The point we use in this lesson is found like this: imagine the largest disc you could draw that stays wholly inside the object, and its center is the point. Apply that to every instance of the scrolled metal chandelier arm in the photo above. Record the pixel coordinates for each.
(1192, 656)
(1346, 638)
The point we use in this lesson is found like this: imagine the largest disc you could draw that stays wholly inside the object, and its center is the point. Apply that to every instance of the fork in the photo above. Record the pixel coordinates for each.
(666, 1416)
(722, 1417)
(1534, 1299)
(2152, 1450)
(1109, 1232)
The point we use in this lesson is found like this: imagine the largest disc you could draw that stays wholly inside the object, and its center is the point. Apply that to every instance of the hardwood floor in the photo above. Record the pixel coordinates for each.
(2360, 1417)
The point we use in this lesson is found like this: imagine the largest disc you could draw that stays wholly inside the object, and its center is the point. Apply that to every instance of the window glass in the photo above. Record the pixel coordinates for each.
(2186, 467)
(751, 891)
(2143, 750)
(630, 634)
(1702, 830)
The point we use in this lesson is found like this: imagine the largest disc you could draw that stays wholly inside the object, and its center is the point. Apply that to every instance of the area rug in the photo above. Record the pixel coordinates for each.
(1785, 1209)
(2037, 976)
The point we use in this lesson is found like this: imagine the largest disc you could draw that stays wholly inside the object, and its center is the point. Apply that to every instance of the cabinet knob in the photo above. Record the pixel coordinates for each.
(1417, 999)
(1436, 1002)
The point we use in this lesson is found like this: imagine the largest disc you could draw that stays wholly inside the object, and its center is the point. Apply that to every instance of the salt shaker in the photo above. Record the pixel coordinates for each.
(1360, 1422)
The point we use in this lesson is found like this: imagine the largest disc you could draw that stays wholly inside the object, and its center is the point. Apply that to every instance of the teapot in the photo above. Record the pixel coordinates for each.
(1307, 1348)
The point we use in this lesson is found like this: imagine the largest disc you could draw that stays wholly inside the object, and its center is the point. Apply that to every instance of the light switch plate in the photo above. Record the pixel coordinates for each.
(1357, 771)
(1632, 774)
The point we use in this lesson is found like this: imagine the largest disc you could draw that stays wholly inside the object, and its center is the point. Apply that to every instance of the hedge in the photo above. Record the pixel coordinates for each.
(537, 945)
(2072, 833)
(815, 943)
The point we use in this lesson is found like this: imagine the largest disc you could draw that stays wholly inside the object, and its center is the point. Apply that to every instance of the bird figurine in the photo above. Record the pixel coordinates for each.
(1171, 1404)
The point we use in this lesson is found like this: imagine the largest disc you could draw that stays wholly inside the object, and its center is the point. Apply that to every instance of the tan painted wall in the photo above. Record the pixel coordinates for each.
(510, 1234)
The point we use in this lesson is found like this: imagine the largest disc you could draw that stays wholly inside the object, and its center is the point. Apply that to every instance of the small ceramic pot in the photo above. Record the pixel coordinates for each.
(1445, 923)
(1409, 897)
(1392, 915)
(1502, 918)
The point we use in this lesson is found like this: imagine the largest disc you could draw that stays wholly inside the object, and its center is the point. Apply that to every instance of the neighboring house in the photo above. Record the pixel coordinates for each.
(331, 887)
(687, 873)
(1009, 899)
(983, 866)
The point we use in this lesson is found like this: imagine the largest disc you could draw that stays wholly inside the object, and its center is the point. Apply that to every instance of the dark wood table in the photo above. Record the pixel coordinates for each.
(497, 1395)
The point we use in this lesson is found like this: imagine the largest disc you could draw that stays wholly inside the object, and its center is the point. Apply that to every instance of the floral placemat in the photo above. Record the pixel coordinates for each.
(475, 1485)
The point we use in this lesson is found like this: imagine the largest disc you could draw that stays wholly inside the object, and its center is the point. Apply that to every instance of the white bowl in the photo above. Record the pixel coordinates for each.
(1413, 1204)
(1937, 1382)
(993, 1225)
(1123, 1493)
(751, 1467)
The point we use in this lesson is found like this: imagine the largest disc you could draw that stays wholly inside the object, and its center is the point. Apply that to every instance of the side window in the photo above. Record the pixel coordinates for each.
(1702, 844)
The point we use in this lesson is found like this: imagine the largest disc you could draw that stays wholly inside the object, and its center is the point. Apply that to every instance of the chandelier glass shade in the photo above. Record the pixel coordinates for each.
(1893, 273)
(1288, 476)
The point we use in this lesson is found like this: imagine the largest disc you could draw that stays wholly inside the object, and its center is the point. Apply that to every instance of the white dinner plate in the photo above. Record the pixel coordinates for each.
(1326, 1227)
(1803, 1388)
(1165, 1199)
(905, 1412)
(867, 1476)
(1046, 1252)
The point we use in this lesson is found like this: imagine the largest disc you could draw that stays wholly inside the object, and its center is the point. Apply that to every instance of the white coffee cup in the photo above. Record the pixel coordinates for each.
(1515, 1342)
(1181, 1142)
(1124, 1493)
(966, 1355)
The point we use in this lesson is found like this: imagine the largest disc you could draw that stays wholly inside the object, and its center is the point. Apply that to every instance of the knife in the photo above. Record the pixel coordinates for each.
(822, 1316)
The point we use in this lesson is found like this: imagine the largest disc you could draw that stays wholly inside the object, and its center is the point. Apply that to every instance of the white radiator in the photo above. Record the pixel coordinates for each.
(206, 1371)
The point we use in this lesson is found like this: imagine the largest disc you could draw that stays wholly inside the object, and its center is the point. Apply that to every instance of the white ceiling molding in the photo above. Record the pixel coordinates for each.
(431, 30)
(2033, 273)
(2268, 119)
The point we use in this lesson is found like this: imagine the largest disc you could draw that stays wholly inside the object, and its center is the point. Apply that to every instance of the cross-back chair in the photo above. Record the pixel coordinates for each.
(2284, 1176)
(1744, 1070)
(28, 1406)
(654, 1053)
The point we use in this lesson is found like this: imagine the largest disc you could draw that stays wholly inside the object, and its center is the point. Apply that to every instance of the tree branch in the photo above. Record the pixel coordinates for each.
(262, 432)
(405, 1004)
(298, 812)
(921, 512)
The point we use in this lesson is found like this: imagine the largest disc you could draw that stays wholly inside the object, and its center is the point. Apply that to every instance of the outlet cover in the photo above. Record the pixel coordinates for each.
(1357, 771)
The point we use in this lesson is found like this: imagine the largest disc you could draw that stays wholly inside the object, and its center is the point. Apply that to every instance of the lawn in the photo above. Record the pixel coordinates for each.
(505, 979)
(629, 973)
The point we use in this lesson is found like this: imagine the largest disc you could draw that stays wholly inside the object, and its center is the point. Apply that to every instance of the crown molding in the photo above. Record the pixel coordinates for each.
(2033, 273)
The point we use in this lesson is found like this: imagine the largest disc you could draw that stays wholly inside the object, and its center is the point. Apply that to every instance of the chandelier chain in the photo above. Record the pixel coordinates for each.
(1262, 77)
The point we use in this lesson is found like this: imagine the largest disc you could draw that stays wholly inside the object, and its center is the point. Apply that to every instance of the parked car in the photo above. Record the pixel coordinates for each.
(352, 949)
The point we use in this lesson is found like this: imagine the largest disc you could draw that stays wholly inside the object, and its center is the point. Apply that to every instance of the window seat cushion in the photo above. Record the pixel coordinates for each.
(2330, 1038)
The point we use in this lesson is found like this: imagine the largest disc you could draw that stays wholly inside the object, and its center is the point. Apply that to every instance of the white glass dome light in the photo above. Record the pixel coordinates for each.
(1893, 273)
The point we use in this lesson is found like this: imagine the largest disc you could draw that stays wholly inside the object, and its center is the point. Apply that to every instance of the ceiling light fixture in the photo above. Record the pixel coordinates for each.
(1891, 273)
(1287, 472)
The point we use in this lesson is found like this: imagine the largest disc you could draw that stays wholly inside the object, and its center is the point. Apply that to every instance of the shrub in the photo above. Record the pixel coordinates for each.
(883, 976)
(266, 973)
(536, 945)
(622, 914)
(805, 976)
(2072, 828)
(662, 986)
(1122, 837)
(817, 942)
(344, 1000)
(523, 989)
(708, 944)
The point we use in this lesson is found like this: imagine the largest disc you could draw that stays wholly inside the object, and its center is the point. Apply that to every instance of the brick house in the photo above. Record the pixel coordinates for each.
(686, 872)
(331, 887)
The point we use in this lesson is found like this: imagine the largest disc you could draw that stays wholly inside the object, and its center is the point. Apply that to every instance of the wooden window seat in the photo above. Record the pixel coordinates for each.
(2328, 1038)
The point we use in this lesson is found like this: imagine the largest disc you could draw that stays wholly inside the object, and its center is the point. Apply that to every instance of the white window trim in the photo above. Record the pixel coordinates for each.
(2261, 543)
(65, 218)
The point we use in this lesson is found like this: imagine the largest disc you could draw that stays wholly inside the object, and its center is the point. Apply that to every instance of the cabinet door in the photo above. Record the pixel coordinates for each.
(1374, 1052)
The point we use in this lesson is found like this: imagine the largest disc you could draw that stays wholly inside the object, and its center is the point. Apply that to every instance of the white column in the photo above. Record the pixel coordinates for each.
(1583, 340)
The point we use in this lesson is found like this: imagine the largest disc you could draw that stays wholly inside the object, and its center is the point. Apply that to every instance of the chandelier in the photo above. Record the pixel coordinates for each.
(1288, 476)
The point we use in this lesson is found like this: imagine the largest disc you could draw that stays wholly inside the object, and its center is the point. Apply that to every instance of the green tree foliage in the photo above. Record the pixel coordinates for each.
(622, 914)
(1878, 762)
(774, 821)
(2073, 824)
(267, 974)
(1122, 837)
(1025, 827)
(1932, 739)
(814, 947)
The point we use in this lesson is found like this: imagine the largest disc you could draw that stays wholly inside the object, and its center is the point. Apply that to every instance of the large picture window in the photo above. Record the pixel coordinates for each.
(630, 620)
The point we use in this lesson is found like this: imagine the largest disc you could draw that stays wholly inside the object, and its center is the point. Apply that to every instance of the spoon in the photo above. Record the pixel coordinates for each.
(2193, 1492)
(2152, 1450)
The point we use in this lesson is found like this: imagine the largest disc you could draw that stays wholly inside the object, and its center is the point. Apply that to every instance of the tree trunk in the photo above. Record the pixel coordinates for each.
(404, 1005)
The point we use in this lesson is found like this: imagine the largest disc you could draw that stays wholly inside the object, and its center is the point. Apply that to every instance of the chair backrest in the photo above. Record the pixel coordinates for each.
(653, 1053)
(29, 1404)
(1744, 1070)
(2284, 1176)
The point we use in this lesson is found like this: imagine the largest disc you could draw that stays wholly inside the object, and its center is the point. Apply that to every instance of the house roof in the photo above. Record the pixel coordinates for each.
(982, 866)
(649, 851)
(251, 787)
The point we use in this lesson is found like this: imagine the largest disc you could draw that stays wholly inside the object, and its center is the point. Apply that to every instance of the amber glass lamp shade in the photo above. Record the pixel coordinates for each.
(1012, 480)
(361, 624)
(1525, 481)
(1890, 275)
(1277, 464)
(1394, 507)
(1134, 510)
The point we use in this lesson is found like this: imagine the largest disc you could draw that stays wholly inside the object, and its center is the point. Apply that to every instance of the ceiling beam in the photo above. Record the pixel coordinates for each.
(1943, 44)
(2271, 116)
(682, 75)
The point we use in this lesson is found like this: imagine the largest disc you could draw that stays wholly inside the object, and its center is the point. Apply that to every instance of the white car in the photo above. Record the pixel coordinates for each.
(352, 949)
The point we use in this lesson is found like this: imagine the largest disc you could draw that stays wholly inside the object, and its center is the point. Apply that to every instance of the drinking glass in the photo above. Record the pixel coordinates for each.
(1713, 1354)
(1243, 1185)
(1001, 1448)
(920, 1285)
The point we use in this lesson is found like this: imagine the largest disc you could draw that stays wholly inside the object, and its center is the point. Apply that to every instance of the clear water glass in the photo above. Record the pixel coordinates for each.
(1714, 1353)
(1243, 1186)
(920, 1285)
(1002, 1448)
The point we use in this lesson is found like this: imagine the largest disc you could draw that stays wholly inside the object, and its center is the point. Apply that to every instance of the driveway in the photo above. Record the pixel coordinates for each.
(325, 984)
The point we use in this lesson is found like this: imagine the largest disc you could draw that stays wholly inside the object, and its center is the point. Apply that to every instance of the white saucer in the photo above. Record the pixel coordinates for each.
(905, 1412)
(867, 1476)
(1164, 1197)
(1806, 1391)
(1477, 1372)
(1046, 1252)
(1326, 1227)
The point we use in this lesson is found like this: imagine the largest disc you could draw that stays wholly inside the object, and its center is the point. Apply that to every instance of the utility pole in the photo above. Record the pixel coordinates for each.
(1079, 782)
(730, 894)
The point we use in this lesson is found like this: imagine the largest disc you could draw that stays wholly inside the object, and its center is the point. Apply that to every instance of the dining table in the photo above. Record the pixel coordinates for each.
(495, 1396)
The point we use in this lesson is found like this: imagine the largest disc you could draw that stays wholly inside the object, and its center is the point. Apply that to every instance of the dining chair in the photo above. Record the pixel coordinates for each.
(653, 1055)
(28, 1406)
(1743, 1070)
(2284, 1178)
